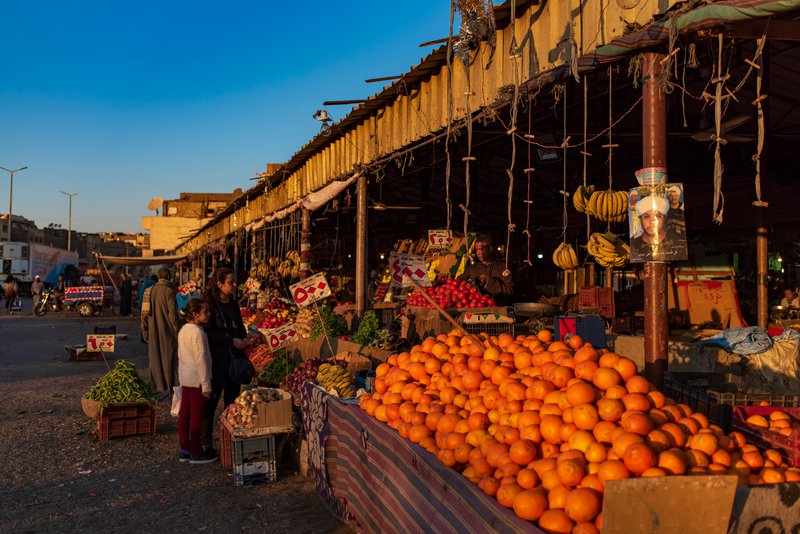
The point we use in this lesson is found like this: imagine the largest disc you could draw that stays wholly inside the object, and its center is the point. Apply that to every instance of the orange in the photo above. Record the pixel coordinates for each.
(758, 420)
(637, 384)
(653, 472)
(527, 478)
(608, 360)
(580, 393)
(708, 443)
(638, 458)
(530, 504)
(522, 451)
(610, 409)
(603, 431)
(612, 470)
(570, 472)
(626, 368)
(555, 521)
(545, 336)
(556, 497)
(580, 440)
(657, 399)
(489, 485)
(418, 432)
(636, 401)
(585, 369)
(583, 504)
(585, 416)
(676, 433)
(586, 527)
(616, 392)
(604, 378)
(638, 423)
(659, 441)
(550, 427)
(591, 481)
(623, 440)
(595, 452)
(770, 475)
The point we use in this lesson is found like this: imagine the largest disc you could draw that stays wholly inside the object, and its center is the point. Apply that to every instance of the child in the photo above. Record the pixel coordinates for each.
(194, 375)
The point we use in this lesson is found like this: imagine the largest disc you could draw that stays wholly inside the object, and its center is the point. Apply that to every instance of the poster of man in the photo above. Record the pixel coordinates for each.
(656, 223)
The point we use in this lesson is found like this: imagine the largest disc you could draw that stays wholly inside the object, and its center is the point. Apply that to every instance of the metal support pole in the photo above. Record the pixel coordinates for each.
(11, 195)
(654, 154)
(305, 244)
(236, 257)
(361, 247)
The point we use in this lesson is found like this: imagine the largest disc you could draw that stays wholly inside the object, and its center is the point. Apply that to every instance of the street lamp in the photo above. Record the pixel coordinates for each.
(69, 224)
(11, 195)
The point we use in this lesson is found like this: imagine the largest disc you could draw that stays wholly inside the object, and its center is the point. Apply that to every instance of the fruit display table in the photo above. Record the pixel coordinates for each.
(376, 481)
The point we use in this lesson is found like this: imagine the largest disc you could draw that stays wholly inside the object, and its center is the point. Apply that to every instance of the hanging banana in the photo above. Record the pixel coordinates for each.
(608, 250)
(581, 197)
(607, 206)
(564, 257)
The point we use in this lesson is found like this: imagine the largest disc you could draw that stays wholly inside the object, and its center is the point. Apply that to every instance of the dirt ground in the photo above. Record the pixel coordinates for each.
(56, 475)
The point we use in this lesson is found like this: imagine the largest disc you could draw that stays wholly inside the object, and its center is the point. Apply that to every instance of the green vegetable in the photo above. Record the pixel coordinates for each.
(367, 329)
(279, 369)
(122, 384)
(329, 325)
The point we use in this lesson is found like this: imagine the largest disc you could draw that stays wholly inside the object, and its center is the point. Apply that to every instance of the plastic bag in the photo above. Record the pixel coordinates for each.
(176, 401)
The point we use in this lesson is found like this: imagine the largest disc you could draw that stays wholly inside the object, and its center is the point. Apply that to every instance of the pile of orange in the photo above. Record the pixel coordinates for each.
(542, 425)
(777, 421)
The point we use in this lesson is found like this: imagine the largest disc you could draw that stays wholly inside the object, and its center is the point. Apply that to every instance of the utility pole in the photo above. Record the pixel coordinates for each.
(11, 195)
(69, 221)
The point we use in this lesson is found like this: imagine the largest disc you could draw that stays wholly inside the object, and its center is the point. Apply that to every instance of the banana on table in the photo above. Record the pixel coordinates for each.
(335, 377)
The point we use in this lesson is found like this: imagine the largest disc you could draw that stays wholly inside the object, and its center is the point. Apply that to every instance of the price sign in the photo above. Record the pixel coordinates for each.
(408, 266)
(440, 239)
(310, 290)
(100, 342)
(252, 285)
(278, 337)
(187, 289)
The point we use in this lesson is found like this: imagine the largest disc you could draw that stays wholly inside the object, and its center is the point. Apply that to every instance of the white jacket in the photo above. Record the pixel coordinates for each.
(194, 358)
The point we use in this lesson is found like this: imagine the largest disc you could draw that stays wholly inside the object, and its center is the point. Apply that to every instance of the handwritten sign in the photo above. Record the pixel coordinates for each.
(100, 342)
(408, 266)
(442, 239)
(310, 290)
(279, 337)
(188, 288)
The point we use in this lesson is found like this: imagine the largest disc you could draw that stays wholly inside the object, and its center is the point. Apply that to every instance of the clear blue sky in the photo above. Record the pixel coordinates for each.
(123, 101)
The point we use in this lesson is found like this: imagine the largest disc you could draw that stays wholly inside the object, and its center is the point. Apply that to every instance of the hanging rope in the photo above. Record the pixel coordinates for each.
(610, 144)
(515, 57)
(585, 152)
(469, 156)
(564, 146)
(528, 171)
(761, 126)
(449, 116)
(719, 198)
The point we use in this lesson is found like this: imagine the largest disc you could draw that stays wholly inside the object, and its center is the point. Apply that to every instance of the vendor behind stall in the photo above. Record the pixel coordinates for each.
(488, 274)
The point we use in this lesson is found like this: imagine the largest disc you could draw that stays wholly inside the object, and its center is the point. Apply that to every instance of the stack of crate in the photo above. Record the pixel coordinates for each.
(122, 420)
(596, 298)
(251, 459)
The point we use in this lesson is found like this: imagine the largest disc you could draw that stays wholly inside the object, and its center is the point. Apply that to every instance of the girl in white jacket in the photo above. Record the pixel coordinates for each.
(194, 374)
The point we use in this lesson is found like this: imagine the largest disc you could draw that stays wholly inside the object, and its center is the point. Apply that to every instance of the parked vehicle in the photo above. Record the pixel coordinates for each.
(26, 260)
(86, 300)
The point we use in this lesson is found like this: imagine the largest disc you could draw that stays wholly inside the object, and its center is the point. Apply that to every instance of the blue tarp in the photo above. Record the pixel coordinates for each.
(750, 340)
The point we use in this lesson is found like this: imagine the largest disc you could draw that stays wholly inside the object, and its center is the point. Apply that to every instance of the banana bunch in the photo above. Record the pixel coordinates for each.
(337, 378)
(581, 197)
(608, 205)
(564, 257)
(260, 272)
(608, 250)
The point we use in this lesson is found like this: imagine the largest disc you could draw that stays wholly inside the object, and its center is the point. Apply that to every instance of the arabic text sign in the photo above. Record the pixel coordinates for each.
(440, 239)
(310, 290)
(100, 342)
(279, 337)
(188, 288)
(408, 266)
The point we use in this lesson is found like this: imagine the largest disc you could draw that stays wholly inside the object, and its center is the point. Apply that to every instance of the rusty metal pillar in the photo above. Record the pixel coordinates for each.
(654, 154)
(361, 246)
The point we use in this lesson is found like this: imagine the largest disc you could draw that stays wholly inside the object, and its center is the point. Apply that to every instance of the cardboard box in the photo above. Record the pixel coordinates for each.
(275, 413)
(355, 362)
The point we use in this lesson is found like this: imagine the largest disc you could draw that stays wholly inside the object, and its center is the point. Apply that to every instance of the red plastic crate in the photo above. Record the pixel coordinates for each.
(123, 420)
(597, 298)
(788, 446)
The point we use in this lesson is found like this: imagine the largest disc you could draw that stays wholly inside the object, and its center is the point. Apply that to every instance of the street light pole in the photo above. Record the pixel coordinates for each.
(11, 194)
(69, 223)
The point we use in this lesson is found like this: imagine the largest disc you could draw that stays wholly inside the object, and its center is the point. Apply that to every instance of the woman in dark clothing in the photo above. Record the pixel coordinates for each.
(226, 336)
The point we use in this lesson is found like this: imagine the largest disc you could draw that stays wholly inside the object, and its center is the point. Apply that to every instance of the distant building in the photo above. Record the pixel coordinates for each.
(181, 218)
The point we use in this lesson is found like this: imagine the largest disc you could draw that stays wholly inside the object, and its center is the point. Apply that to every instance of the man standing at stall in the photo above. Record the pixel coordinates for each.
(125, 295)
(160, 331)
(488, 274)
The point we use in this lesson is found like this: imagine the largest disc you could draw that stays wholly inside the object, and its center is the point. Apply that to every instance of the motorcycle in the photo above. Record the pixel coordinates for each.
(50, 302)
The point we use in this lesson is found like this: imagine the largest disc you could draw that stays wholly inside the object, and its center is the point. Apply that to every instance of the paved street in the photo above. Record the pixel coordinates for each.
(57, 476)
